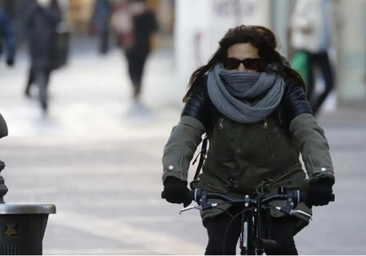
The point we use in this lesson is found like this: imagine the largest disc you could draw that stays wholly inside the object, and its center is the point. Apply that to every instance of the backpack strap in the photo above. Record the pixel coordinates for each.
(202, 154)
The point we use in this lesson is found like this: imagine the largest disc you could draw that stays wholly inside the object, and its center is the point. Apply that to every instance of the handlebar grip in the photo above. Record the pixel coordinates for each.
(304, 197)
(190, 195)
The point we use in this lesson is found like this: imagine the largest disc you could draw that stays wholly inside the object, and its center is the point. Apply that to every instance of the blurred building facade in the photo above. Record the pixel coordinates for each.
(196, 30)
(77, 14)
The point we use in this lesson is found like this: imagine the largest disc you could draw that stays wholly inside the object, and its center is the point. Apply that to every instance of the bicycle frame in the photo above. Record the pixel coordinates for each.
(251, 241)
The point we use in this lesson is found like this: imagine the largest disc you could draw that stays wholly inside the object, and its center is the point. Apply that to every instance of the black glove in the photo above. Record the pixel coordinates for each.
(320, 191)
(176, 191)
(10, 62)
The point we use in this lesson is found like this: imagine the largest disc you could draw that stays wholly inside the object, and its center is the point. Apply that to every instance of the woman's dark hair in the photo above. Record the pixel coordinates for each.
(260, 37)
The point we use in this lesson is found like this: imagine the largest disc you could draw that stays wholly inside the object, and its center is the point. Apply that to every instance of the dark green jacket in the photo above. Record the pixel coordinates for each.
(241, 156)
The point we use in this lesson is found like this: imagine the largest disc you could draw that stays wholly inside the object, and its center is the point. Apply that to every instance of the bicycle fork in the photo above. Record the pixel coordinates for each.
(246, 236)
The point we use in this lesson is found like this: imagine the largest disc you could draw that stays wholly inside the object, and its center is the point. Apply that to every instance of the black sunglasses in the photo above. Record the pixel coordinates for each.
(249, 63)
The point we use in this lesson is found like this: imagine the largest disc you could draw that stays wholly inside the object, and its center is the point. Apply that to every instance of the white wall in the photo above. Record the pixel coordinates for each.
(352, 55)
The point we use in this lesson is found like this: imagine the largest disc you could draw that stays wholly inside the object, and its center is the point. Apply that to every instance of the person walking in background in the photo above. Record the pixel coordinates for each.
(135, 25)
(41, 21)
(313, 31)
(7, 36)
(100, 22)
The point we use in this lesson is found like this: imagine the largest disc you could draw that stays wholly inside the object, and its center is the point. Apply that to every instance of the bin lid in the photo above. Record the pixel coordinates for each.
(24, 208)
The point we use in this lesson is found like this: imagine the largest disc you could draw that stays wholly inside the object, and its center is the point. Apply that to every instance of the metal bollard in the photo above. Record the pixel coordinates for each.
(22, 226)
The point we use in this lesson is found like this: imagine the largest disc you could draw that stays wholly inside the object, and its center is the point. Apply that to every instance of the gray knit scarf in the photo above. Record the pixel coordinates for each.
(232, 91)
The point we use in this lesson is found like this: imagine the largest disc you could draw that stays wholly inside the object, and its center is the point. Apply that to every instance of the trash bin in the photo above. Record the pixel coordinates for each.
(22, 227)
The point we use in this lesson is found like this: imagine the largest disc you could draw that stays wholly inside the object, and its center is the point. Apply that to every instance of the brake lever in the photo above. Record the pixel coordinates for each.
(201, 207)
(298, 213)
(188, 208)
(301, 214)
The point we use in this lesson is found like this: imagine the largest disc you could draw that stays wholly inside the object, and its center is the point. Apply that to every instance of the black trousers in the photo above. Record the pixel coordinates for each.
(279, 229)
(104, 41)
(32, 77)
(136, 60)
(42, 79)
(321, 60)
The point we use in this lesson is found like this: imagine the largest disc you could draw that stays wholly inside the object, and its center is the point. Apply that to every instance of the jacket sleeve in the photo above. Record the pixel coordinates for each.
(310, 137)
(186, 136)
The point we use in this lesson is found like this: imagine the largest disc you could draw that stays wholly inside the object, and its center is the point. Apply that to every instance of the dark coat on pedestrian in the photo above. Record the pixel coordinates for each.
(7, 36)
(145, 25)
(41, 28)
(101, 15)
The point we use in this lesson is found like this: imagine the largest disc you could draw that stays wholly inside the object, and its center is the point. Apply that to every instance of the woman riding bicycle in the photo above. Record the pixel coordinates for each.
(254, 110)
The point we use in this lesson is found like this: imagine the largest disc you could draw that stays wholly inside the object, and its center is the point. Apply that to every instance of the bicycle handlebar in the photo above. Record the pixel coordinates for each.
(293, 197)
(296, 196)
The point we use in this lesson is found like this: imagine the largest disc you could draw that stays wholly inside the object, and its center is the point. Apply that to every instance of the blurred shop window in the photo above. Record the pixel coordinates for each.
(79, 12)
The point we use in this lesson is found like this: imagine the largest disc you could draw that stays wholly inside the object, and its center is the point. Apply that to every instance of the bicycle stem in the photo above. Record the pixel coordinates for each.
(259, 216)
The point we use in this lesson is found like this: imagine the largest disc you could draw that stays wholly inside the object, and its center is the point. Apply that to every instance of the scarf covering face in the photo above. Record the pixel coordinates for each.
(232, 91)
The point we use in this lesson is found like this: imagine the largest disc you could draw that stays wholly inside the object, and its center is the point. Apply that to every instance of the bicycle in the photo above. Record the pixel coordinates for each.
(251, 241)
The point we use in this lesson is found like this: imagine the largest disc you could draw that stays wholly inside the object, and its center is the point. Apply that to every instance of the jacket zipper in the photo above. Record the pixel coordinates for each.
(265, 127)
(280, 117)
(221, 124)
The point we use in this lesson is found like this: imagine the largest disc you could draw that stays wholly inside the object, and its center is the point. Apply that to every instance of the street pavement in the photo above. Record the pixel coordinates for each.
(97, 157)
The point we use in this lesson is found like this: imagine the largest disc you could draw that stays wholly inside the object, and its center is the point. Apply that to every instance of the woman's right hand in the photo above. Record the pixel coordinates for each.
(176, 191)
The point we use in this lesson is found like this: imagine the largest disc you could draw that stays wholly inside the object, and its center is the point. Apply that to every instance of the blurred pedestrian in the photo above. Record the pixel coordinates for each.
(313, 32)
(135, 24)
(7, 36)
(100, 23)
(41, 21)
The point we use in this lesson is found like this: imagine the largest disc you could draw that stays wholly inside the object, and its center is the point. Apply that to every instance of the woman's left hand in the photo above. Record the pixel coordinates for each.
(320, 190)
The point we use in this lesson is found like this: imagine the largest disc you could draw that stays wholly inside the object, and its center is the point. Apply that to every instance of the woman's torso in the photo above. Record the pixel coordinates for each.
(240, 156)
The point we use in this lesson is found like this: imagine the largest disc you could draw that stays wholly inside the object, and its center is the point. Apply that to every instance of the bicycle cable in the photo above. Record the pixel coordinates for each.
(233, 218)
(224, 210)
(228, 225)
